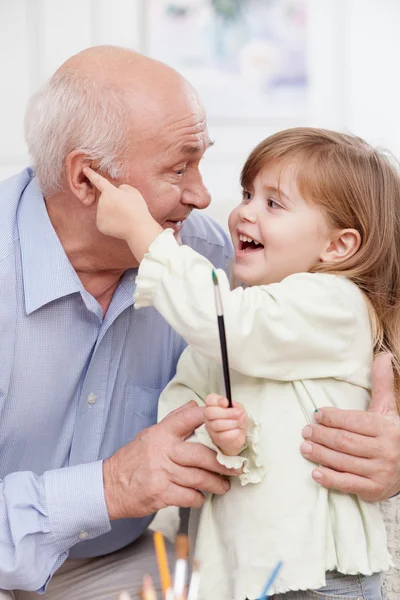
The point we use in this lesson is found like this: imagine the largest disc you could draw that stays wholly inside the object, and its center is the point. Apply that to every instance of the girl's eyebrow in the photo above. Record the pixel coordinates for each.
(276, 190)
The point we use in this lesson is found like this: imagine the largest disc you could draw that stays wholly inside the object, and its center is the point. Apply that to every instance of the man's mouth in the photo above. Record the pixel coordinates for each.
(248, 244)
(175, 225)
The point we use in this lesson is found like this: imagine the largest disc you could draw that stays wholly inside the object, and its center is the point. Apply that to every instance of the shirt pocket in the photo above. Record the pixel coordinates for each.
(141, 405)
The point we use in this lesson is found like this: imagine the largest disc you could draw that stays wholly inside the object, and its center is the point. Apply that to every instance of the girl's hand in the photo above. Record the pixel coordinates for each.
(122, 212)
(118, 207)
(226, 426)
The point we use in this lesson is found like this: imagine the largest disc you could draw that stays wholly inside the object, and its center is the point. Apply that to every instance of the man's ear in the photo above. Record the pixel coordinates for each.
(77, 181)
(343, 244)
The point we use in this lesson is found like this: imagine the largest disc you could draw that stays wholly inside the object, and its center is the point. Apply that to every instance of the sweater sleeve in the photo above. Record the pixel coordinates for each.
(300, 328)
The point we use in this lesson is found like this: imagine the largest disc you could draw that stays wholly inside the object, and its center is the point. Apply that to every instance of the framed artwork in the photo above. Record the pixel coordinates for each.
(246, 58)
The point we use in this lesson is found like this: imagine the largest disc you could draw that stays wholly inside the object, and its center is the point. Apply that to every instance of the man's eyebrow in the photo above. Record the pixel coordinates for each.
(189, 149)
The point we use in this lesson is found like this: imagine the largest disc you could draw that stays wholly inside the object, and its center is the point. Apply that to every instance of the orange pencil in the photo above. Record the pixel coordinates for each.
(162, 562)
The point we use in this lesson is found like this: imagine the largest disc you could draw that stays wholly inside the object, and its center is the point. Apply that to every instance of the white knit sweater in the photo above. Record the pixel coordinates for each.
(391, 512)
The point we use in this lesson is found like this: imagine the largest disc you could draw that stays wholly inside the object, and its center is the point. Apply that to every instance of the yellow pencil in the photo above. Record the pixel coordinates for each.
(162, 562)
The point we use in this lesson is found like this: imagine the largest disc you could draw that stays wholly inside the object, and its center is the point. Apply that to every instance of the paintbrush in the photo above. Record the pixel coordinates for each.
(162, 560)
(180, 575)
(222, 337)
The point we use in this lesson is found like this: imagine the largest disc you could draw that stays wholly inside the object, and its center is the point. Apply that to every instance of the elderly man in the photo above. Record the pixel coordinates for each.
(83, 464)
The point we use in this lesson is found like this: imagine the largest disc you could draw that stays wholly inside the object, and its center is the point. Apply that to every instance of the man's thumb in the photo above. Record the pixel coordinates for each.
(185, 419)
(383, 398)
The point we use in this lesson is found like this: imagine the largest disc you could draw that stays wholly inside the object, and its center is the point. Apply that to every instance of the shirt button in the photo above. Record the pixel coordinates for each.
(83, 535)
(92, 399)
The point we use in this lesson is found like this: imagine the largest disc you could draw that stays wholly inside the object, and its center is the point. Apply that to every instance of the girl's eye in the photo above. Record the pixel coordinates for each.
(273, 203)
(246, 196)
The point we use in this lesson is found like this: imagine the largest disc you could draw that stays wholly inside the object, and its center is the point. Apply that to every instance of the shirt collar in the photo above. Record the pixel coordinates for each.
(46, 271)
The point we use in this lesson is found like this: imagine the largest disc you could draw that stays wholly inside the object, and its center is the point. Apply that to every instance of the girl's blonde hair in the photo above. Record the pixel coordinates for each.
(357, 187)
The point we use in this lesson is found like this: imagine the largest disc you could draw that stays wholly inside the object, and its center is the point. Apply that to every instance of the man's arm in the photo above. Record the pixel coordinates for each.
(359, 452)
(41, 518)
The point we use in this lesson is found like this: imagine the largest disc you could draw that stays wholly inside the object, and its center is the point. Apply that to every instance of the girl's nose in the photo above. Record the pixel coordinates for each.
(246, 213)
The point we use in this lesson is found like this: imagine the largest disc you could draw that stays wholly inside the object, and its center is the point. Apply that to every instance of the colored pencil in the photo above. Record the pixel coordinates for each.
(162, 560)
(270, 580)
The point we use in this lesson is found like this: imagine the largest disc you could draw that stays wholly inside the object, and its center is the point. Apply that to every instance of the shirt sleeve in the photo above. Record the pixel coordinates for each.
(41, 518)
(193, 381)
(300, 328)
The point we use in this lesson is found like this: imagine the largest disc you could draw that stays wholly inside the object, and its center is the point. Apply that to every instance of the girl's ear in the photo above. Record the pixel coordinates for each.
(344, 244)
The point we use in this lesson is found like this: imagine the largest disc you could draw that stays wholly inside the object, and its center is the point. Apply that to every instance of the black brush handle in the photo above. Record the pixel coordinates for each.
(225, 364)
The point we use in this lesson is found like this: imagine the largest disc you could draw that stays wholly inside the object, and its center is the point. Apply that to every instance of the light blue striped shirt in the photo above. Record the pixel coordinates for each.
(73, 389)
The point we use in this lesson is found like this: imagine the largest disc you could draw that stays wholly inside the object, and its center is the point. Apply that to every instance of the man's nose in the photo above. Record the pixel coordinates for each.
(195, 192)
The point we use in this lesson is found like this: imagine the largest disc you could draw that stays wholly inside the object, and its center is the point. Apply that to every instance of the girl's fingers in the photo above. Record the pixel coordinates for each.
(216, 412)
(225, 425)
(100, 182)
(216, 400)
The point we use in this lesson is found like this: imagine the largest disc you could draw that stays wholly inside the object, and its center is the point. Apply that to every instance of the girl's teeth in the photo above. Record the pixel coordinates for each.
(244, 238)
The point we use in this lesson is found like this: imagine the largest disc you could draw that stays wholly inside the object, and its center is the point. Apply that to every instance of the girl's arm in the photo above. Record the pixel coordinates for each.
(300, 328)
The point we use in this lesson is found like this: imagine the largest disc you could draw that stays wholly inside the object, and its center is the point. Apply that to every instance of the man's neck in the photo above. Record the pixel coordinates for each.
(98, 260)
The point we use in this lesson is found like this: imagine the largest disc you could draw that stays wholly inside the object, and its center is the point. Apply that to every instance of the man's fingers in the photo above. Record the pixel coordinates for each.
(346, 483)
(196, 455)
(184, 420)
(100, 182)
(184, 497)
(343, 441)
(383, 399)
(199, 479)
(357, 421)
(336, 460)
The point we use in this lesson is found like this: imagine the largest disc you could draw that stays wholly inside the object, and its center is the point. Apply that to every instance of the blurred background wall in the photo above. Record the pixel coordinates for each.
(351, 58)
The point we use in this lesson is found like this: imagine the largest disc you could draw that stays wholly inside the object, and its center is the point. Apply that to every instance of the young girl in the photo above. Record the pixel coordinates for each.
(317, 244)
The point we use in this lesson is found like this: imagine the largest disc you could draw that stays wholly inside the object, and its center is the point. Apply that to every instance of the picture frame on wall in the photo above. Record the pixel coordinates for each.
(246, 58)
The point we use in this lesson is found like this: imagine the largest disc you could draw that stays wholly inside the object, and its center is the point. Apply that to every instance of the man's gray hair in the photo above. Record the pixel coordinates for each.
(75, 112)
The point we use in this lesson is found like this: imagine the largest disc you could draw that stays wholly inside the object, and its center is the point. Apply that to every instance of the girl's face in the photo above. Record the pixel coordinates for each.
(275, 233)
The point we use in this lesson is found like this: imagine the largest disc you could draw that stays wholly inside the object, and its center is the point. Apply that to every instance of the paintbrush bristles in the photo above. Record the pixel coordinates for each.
(217, 293)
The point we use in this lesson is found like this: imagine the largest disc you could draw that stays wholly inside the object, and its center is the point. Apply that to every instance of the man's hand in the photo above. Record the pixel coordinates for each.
(359, 452)
(122, 212)
(158, 468)
(226, 426)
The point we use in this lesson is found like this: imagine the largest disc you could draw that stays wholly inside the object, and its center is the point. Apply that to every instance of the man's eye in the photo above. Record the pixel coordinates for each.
(181, 171)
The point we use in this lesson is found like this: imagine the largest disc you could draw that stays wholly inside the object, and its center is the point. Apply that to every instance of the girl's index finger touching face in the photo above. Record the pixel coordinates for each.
(100, 182)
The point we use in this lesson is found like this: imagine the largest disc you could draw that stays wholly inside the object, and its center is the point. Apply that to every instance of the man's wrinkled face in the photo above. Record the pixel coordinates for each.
(164, 165)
